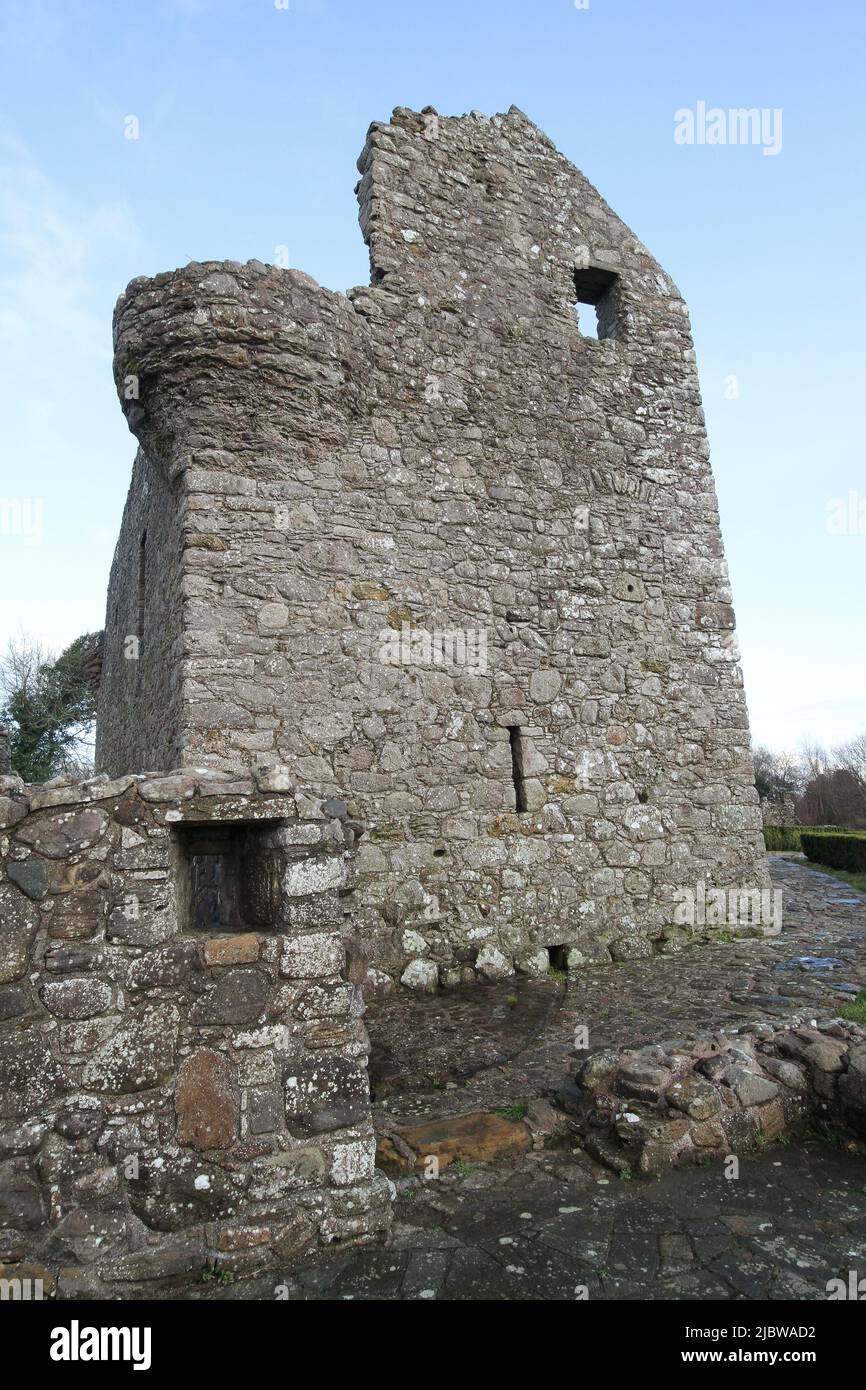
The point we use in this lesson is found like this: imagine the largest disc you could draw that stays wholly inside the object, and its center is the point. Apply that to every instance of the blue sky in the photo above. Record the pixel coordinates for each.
(251, 119)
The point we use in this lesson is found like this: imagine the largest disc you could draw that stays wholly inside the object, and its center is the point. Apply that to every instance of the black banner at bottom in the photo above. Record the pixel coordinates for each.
(216, 1336)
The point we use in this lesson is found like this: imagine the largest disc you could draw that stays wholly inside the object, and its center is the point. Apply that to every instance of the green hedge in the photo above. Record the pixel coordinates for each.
(788, 836)
(837, 851)
(782, 836)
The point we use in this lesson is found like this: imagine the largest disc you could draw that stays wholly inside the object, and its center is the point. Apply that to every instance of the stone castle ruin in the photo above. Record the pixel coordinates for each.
(418, 666)
(326, 482)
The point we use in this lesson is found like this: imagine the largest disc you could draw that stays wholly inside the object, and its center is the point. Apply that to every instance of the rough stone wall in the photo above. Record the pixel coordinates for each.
(140, 691)
(172, 1098)
(445, 450)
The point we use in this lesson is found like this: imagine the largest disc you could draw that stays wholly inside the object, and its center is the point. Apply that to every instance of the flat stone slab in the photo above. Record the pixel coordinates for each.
(471, 1138)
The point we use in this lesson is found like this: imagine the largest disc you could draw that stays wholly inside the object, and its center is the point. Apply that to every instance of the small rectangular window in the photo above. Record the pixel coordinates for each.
(596, 301)
(228, 877)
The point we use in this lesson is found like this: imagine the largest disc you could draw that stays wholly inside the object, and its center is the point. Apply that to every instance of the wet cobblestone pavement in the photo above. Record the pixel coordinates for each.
(548, 1228)
(703, 989)
(421, 1042)
(552, 1226)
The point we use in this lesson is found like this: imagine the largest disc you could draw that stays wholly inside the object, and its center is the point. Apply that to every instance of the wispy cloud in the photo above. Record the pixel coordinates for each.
(52, 256)
(62, 264)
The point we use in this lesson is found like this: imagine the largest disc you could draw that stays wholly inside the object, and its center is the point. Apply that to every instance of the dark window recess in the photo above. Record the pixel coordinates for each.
(597, 302)
(228, 876)
(557, 957)
(142, 583)
(516, 740)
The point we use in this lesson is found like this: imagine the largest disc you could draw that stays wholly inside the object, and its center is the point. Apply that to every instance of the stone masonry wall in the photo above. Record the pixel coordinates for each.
(144, 626)
(445, 450)
(175, 1098)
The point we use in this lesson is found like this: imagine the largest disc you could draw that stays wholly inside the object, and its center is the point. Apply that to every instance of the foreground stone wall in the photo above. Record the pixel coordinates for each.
(175, 1098)
(445, 451)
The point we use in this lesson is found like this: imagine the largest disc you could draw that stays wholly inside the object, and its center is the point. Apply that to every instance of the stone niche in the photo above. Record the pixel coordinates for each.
(183, 1061)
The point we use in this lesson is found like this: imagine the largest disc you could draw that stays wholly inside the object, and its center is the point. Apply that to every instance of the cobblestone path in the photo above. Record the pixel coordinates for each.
(553, 1224)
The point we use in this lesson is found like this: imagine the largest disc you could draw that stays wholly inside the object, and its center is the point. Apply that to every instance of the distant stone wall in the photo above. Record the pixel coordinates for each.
(779, 812)
(183, 1078)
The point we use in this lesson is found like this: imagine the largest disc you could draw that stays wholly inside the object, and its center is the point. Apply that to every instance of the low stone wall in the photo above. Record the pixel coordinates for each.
(183, 1062)
(680, 1102)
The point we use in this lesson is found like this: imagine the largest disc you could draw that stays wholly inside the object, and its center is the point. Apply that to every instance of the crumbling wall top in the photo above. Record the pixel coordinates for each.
(487, 205)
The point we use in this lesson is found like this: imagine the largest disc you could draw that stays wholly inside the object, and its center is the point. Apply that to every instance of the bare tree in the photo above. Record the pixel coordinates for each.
(852, 757)
(835, 785)
(777, 775)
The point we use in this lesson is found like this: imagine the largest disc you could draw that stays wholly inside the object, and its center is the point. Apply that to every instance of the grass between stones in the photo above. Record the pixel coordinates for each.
(513, 1112)
(855, 1012)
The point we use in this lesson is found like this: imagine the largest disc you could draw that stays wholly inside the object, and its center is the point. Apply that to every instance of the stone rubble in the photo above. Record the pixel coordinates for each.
(685, 1101)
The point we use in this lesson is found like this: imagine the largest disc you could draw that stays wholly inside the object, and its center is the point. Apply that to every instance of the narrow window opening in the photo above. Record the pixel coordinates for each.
(596, 302)
(142, 583)
(211, 891)
(516, 739)
(557, 957)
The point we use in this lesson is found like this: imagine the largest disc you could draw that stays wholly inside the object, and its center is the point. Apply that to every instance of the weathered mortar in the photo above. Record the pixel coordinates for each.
(174, 1097)
(444, 450)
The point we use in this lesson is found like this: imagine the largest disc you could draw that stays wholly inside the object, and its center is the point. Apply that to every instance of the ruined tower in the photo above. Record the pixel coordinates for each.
(452, 559)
